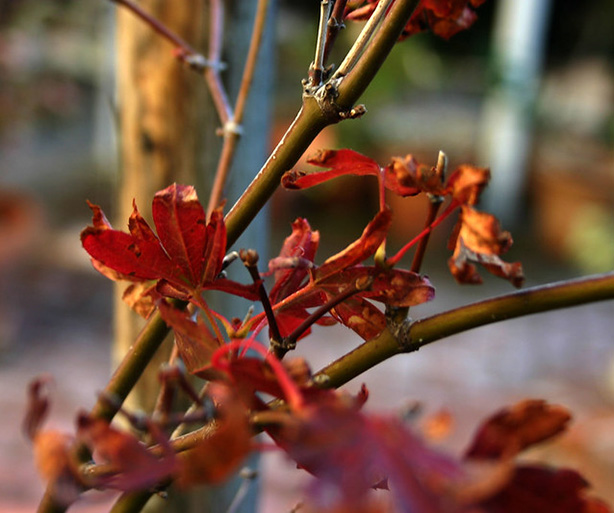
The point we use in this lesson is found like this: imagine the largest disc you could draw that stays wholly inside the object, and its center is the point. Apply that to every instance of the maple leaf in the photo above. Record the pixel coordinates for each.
(444, 18)
(529, 487)
(344, 271)
(478, 238)
(185, 257)
(403, 176)
(195, 342)
(217, 456)
(133, 466)
(543, 489)
(513, 429)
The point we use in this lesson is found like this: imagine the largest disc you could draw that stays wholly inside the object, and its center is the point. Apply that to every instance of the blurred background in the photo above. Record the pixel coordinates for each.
(528, 91)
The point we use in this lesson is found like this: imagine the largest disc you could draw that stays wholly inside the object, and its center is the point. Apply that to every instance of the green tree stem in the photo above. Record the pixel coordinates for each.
(543, 298)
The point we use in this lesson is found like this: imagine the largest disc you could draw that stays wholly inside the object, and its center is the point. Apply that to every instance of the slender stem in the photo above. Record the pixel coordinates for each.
(316, 71)
(160, 28)
(250, 261)
(363, 39)
(212, 75)
(393, 260)
(232, 128)
(369, 63)
(325, 308)
(132, 366)
(131, 501)
(425, 331)
(311, 120)
(335, 24)
(434, 204)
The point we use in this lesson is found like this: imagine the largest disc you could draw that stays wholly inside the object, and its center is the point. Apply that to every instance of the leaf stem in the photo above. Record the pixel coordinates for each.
(335, 24)
(325, 308)
(393, 260)
(316, 70)
(212, 74)
(363, 39)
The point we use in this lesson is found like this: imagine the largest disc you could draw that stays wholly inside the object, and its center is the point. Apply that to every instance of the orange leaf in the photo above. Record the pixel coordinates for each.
(478, 237)
(219, 455)
(513, 429)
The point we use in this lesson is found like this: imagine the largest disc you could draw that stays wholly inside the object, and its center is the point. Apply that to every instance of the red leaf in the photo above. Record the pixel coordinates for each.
(215, 246)
(372, 237)
(403, 176)
(361, 317)
(185, 257)
(394, 287)
(135, 468)
(131, 255)
(182, 228)
(544, 490)
(218, 455)
(195, 342)
(466, 184)
(339, 162)
(292, 265)
(478, 237)
(445, 18)
(406, 177)
(513, 429)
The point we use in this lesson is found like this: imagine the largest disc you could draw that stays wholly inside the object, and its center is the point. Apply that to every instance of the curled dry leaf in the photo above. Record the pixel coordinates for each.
(478, 238)
(513, 429)
(217, 456)
(132, 466)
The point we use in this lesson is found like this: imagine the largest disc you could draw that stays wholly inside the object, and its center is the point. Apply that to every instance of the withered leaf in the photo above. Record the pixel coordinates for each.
(478, 238)
(513, 429)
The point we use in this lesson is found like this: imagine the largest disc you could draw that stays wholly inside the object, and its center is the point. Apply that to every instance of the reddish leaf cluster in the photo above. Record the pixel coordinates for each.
(477, 236)
(123, 461)
(314, 285)
(444, 18)
(184, 258)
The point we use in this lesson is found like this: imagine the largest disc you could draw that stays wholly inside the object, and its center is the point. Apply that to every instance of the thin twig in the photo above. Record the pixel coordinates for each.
(232, 129)
(212, 75)
(250, 260)
(335, 24)
(434, 204)
(325, 308)
(316, 70)
(363, 39)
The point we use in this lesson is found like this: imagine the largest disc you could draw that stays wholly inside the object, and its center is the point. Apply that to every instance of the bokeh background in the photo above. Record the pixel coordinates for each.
(528, 91)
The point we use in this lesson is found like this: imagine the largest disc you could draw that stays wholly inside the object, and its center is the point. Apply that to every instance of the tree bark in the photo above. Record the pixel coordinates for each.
(160, 119)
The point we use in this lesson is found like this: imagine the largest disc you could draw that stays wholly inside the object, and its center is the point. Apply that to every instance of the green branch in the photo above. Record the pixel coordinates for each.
(415, 335)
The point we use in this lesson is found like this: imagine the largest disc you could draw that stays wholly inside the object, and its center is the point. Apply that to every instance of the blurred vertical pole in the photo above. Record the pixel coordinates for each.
(507, 123)
(167, 134)
(159, 104)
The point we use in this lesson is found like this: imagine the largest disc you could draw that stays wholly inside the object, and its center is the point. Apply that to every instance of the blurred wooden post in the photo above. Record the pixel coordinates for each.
(159, 106)
(167, 134)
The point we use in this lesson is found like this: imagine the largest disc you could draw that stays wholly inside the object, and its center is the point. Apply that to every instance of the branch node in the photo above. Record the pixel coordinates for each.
(400, 330)
(230, 128)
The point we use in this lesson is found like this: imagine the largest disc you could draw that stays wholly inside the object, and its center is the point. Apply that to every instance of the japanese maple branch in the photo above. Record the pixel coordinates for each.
(416, 335)
(315, 115)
